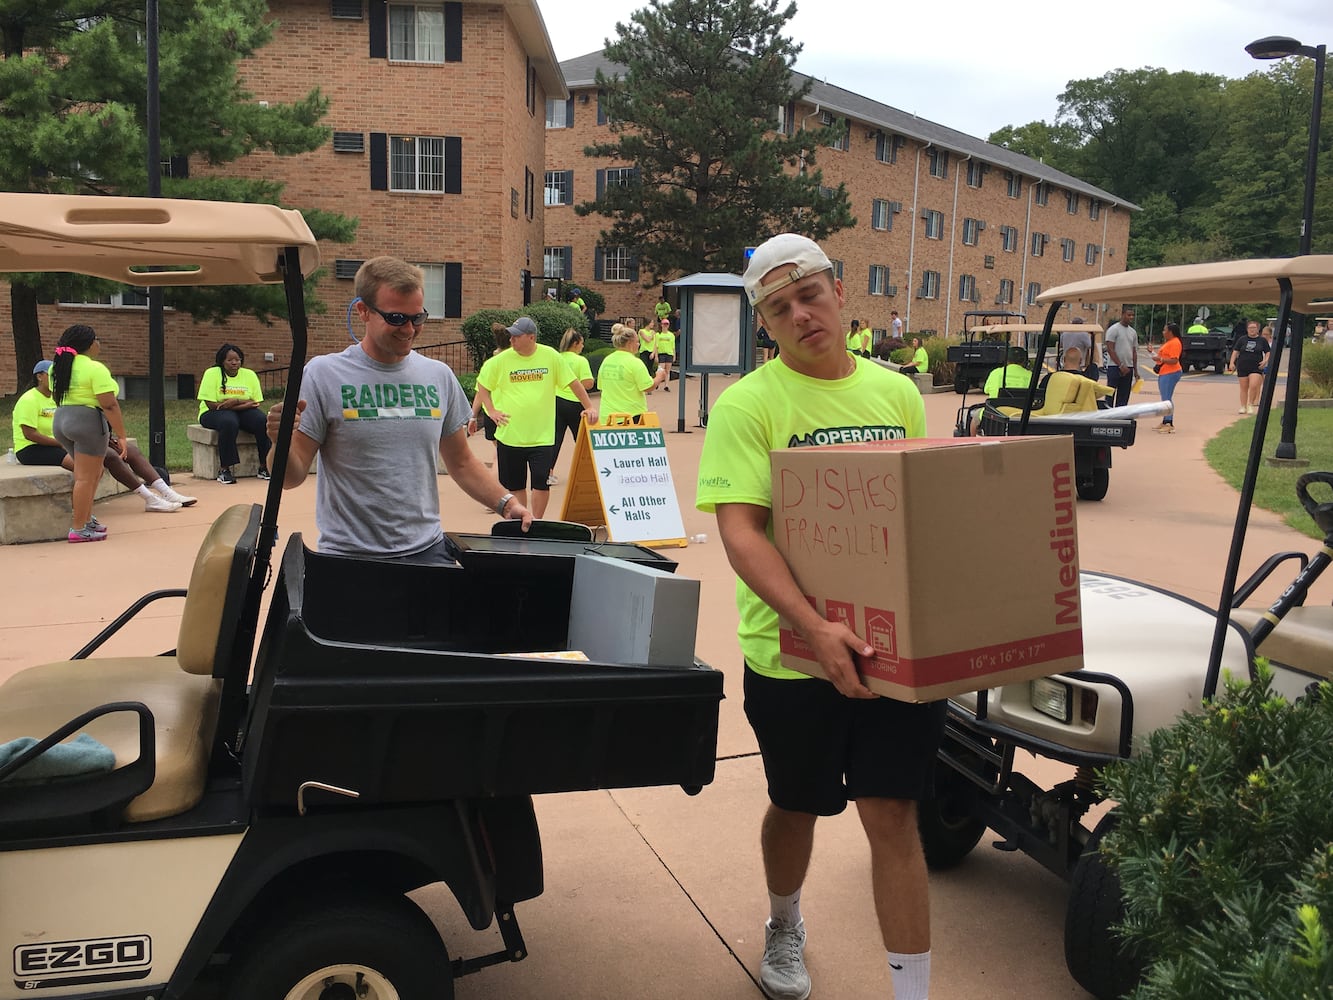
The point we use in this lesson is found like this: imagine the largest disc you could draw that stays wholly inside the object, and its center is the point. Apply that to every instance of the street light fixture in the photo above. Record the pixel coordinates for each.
(1279, 47)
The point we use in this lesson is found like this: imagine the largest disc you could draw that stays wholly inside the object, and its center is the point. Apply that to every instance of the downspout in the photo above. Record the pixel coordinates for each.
(1025, 250)
(911, 246)
(1101, 258)
(953, 229)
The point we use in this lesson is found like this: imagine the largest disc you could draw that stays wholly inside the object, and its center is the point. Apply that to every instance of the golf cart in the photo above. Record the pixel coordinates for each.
(267, 810)
(1205, 350)
(1135, 680)
(981, 351)
(1056, 402)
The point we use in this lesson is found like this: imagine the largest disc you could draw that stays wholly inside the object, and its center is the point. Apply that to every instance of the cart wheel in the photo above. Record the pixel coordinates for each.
(1097, 958)
(1095, 490)
(949, 829)
(377, 948)
(1219, 367)
(960, 384)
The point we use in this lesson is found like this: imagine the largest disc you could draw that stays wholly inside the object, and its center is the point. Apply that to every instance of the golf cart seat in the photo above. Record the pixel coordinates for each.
(157, 714)
(1302, 640)
(1065, 392)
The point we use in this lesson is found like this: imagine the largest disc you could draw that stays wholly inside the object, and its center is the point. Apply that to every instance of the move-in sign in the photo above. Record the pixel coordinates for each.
(621, 478)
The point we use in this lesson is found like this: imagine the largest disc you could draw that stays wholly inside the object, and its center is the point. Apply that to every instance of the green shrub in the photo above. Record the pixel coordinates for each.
(552, 320)
(902, 355)
(941, 368)
(468, 380)
(1224, 848)
(1317, 369)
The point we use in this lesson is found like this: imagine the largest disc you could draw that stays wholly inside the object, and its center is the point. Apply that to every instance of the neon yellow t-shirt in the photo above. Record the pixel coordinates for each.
(647, 341)
(88, 379)
(663, 310)
(245, 385)
(1008, 376)
(921, 359)
(622, 379)
(853, 340)
(774, 407)
(578, 365)
(35, 410)
(524, 388)
(666, 343)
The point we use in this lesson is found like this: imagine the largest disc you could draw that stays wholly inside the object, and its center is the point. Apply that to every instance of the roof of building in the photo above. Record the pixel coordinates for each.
(582, 72)
(527, 18)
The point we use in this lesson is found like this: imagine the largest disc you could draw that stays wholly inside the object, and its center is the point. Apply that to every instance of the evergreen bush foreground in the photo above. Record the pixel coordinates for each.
(1224, 848)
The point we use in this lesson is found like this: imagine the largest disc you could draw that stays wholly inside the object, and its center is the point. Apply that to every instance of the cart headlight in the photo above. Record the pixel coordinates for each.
(1053, 698)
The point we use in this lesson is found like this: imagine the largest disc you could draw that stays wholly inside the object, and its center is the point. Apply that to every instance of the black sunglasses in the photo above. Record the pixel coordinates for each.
(399, 319)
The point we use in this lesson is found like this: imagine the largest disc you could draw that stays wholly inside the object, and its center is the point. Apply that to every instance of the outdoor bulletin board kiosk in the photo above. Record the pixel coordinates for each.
(716, 333)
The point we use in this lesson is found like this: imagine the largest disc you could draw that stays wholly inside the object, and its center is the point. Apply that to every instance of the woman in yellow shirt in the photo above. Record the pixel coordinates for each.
(623, 379)
(568, 409)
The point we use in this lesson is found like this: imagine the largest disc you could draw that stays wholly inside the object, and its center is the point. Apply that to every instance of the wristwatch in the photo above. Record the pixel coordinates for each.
(502, 503)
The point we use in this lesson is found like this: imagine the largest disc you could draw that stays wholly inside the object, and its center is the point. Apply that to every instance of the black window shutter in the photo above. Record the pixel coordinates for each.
(597, 264)
(871, 287)
(569, 113)
(601, 111)
(569, 187)
(180, 166)
(880, 139)
(379, 29)
(379, 161)
(634, 268)
(601, 184)
(453, 164)
(568, 263)
(453, 32)
(453, 291)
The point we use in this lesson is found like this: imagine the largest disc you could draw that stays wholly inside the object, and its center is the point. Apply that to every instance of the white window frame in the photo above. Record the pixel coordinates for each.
(939, 163)
(1006, 295)
(554, 255)
(1038, 244)
(1071, 202)
(408, 23)
(116, 300)
(967, 288)
(1034, 289)
(1009, 239)
(837, 267)
(433, 288)
(425, 149)
(934, 224)
(1042, 195)
(930, 284)
(1090, 254)
(554, 191)
(557, 113)
(618, 176)
(880, 216)
(971, 232)
(879, 279)
(1067, 250)
(975, 173)
(1013, 182)
(616, 265)
(1094, 209)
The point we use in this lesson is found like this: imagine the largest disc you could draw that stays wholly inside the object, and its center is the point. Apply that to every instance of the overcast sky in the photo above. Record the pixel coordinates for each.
(977, 65)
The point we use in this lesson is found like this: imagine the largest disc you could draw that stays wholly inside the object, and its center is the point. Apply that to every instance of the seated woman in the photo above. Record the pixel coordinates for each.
(34, 444)
(229, 398)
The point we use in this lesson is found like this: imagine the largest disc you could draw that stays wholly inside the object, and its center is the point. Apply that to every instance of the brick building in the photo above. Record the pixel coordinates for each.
(946, 222)
(438, 112)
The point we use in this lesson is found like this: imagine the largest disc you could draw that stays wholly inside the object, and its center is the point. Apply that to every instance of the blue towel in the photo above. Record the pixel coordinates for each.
(81, 755)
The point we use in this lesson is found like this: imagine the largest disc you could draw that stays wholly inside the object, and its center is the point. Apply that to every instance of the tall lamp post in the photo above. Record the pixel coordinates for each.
(1279, 47)
(157, 414)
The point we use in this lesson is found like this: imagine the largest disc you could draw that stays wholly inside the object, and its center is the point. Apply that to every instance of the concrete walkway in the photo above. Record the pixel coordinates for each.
(651, 893)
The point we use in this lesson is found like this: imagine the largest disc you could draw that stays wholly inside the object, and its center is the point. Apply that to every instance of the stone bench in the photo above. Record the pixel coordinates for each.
(37, 501)
(204, 453)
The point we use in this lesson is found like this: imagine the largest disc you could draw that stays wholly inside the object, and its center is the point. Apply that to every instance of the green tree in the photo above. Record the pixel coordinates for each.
(694, 113)
(1055, 145)
(73, 95)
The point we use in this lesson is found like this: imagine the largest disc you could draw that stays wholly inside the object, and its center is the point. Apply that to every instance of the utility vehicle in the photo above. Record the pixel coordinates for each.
(268, 810)
(1136, 679)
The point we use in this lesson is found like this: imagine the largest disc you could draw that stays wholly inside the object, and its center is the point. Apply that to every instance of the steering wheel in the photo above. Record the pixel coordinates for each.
(1321, 512)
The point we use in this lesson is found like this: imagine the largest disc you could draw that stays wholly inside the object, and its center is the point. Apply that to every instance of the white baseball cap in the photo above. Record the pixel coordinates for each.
(802, 253)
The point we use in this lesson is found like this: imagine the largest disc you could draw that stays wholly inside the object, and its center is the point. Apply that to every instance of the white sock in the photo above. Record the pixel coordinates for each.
(911, 975)
(785, 909)
(144, 492)
(160, 485)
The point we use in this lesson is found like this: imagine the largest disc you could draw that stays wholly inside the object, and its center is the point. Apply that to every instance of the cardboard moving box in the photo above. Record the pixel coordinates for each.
(956, 559)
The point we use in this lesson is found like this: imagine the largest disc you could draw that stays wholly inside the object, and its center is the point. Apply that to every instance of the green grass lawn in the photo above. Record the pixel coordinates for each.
(1276, 488)
(180, 414)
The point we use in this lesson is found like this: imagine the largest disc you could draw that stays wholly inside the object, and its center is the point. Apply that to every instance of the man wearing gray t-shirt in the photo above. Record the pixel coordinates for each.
(377, 414)
(1122, 345)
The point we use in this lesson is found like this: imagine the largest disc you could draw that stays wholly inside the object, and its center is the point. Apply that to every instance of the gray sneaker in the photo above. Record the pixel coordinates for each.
(782, 974)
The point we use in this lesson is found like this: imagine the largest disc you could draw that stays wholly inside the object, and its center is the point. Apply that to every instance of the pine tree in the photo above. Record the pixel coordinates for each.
(695, 113)
(73, 94)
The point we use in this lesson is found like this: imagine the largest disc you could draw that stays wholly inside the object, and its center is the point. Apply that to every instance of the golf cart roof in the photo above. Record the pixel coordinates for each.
(205, 242)
(1236, 281)
(1038, 327)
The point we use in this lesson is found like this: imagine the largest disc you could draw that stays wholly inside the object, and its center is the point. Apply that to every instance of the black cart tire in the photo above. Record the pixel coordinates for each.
(374, 948)
(1219, 367)
(1095, 490)
(945, 819)
(1098, 959)
(960, 384)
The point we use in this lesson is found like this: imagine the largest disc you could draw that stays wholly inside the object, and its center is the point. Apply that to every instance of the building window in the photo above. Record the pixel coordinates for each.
(880, 215)
(837, 268)
(967, 288)
(1009, 239)
(1090, 254)
(1067, 250)
(1034, 289)
(934, 224)
(617, 265)
(786, 118)
(1039, 241)
(529, 193)
(416, 163)
(559, 187)
(620, 176)
(879, 279)
(557, 262)
(1094, 209)
(1071, 203)
(939, 163)
(416, 33)
(975, 171)
(127, 298)
(1006, 296)
(887, 146)
(1042, 193)
(972, 231)
(843, 140)
(930, 285)
(434, 289)
(559, 114)
(1013, 184)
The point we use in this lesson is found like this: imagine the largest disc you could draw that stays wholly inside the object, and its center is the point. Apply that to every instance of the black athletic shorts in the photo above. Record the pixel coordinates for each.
(488, 425)
(515, 464)
(822, 750)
